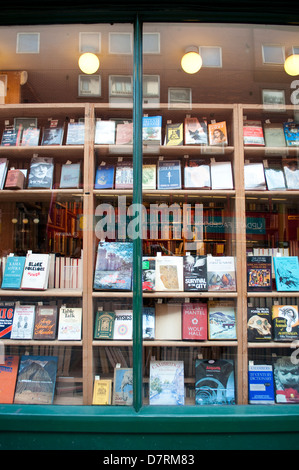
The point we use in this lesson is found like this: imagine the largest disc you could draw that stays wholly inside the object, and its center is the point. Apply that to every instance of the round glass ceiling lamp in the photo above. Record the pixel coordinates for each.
(191, 61)
(291, 65)
(89, 63)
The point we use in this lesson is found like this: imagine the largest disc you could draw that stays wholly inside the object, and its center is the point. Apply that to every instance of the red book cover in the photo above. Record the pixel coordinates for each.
(8, 377)
(194, 319)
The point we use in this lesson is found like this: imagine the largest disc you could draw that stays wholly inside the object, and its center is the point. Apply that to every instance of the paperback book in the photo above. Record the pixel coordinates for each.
(291, 173)
(275, 177)
(253, 132)
(274, 134)
(7, 310)
(11, 136)
(148, 322)
(36, 380)
(174, 134)
(15, 179)
(41, 173)
(197, 175)
(221, 175)
(124, 175)
(166, 385)
(261, 384)
(30, 137)
(254, 177)
(113, 270)
(124, 133)
(286, 380)
(194, 321)
(169, 274)
(104, 177)
(195, 273)
(221, 273)
(102, 392)
(259, 273)
(123, 386)
(36, 271)
(214, 382)
(123, 325)
(13, 273)
(45, 322)
(8, 378)
(53, 133)
(169, 174)
(195, 131)
(105, 132)
(218, 133)
(286, 270)
(70, 323)
(291, 133)
(168, 321)
(152, 130)
(70, 175)
(259, 324)
(75, 133)
(222, 320)
(148, 273)
(285, 322)
(149, 176)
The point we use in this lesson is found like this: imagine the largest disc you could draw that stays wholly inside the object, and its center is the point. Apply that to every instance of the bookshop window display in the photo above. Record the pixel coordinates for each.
(217, 217)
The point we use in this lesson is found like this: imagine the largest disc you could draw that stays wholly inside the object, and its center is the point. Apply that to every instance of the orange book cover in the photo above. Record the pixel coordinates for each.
(8, 377)
(218, 133)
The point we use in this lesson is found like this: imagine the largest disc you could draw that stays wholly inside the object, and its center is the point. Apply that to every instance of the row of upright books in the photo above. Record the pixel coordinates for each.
(167, 174)
(213, 320)
(270, 134)
(272, 176)
(40, 271)
(40, 175)
(40, 322)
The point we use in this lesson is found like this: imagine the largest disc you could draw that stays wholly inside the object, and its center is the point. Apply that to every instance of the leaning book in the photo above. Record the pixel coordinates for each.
(221, 273)
(36, 271)
(259, 273)
(23, 322)
(36, 380)
(8, 378)
(222, 320)
(13, 272)
(214, 382)
(70, 323)
(166, 385)
(285, 322)
(286, 380)
(259, 324)
(261, 384)
(114, 264)
(123, 386)
(286, 270)
(41, 173)
(102, 392)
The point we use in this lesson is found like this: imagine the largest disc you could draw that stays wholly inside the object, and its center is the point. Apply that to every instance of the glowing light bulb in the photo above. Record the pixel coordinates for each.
(191, 62)
(291, 65)
(89, 63)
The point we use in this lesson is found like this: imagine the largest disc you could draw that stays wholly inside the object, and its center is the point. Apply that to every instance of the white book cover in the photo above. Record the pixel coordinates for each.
(221, 175)
(123, 325)
(3, 171)
(169, 273)
(36, 271)
(70, 323)
(221, 273)
(23, 322)
(166, 383)
(105, 132)
(254, 176)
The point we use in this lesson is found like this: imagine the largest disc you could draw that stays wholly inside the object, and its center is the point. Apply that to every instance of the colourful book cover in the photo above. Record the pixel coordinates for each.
(221, 273)
(152, 130)
(214, 382)
(195, 131)
(104, 325)
(169, 174)
(259, 273)
(13, 272)
(253, 133)
(286, 270)
(194, 321)
(291, 133)
(166, 383)
(148, 273)
(218, 133)
(123, 386)
(45, 322)
(222, 324)
(174, 134)
(286, 380)
(8, 378)
(113, 270)
(195, 273)
(261, 384)
(104, 177)
(259, 324)
(7, 310)
(285, 322)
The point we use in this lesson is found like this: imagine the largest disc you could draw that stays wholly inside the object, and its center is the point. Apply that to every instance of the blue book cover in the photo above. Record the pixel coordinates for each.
(152, 129)
(261, 384)
(13, 272)
(104, 177)
(286, 270)
(169, 174)
(214, 382)
(291, 132)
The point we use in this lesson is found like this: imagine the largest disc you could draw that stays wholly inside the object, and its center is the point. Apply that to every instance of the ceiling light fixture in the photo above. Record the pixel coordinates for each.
(191, 61)
(89, 63)
(291, 65)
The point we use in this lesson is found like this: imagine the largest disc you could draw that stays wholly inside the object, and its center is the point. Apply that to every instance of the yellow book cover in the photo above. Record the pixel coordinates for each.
(102, 392)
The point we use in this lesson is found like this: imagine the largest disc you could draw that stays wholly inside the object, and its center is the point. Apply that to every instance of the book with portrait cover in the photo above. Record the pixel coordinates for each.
(194, 321)
(221, 273)
(23, 322)
(286, 270)
(174, 134)
(7, 310)
(70, 323)
(253, 133)
(285, 322)
(123, 386)
(195, 273)
(114, 264)
(36, 380)
(53, 133)
(286, 373)
(13, 272)
(218, 133)
(166, 386)
(214, 382)
(36, 271)
(259, 324)
(41, 173)
(104, 176)
(169, 174)
(261, 384)
(197, 174)
(195, 131)
(45, 322)
(259, 273)
(222, 321)
(8, 378)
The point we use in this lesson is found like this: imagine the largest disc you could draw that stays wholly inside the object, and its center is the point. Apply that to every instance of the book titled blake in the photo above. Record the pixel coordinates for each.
(169, 174)
(286, 273)
(13, 273)
(36, 271)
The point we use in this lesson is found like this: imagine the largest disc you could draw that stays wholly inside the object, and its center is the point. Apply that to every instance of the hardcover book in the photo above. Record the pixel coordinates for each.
(195, 273)
(166, 385)
(124, 175)
(218, 133)
(222, 320)
(75, 133)
(286, 270)
(286, 380)
(221, 273)
(41, 173)
(169, 273)
(15, 179)
(291, 173)
(113, 270)
(169, 174)
(274, 134)
(254, 176)
(285, 322)
(275, 177)
(149, 176)
(11, 136)
(45, 322)
(253, 132)
(168, 321)
(195, 131)
(152, 130)
(8, 378)
(174, 134)
(104, 132)
(104, 177)
(194, 321)
(53, 133)
(148, 322)
(259, 324)
(13, 272)
(221, 175)
(23, 322)
(36, 271)
(291, 133)
(3, 171)
(102, 392)
(123, 325)
(69, 324)
(214, 382)
(259, 273)
(123, 386)
(7, 310)
(70, 175)
(148, 273)
(30, 137)
(36, 380)
(104, 325)
(197, 175)
(261, 384)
